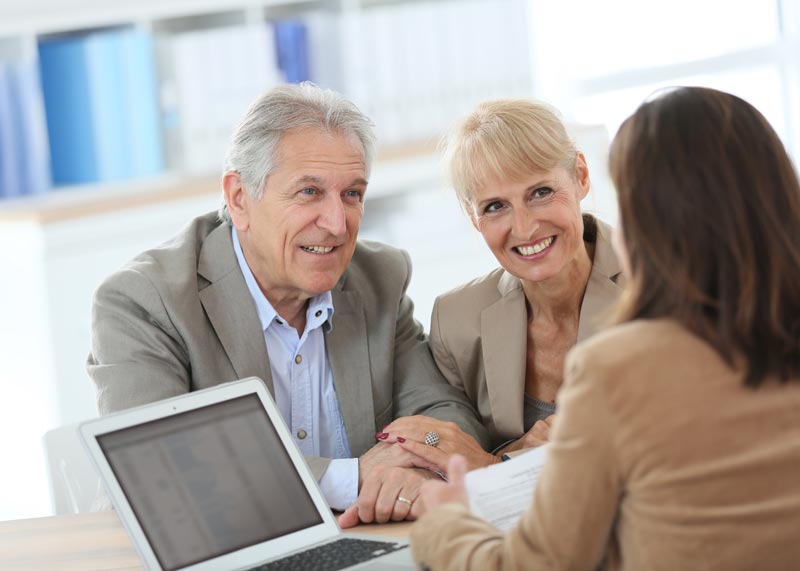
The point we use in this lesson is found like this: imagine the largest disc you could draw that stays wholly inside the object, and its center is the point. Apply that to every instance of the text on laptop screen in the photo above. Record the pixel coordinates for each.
(209, 481)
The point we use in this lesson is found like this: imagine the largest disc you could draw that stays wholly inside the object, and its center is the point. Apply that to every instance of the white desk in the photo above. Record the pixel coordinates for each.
(91, 542)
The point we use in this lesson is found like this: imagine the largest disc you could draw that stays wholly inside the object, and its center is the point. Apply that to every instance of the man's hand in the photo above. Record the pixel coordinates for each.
(379, 500)
(386, 455)
(452, 440)
(538, 434)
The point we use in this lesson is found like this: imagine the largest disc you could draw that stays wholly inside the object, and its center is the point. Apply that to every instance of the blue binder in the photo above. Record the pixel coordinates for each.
(106, 95)
(141, 102)
(291, 41)
(11, 184)
(68, 108)
(29, 128)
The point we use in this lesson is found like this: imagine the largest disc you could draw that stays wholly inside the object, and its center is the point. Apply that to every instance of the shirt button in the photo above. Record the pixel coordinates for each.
(318, 313)
(279, 321)
(298, 359)
(301, 434)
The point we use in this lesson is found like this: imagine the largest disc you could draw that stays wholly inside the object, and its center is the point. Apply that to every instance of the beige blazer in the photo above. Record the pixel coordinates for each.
(479, 334)
(660, 458)
(180, 318)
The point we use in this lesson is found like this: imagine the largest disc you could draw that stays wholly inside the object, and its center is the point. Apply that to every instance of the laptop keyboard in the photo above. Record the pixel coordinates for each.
(338, 554)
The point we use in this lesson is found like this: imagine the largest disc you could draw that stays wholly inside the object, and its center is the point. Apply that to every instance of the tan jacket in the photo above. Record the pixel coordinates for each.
(479, 334)
(661, 458)
(180, 318)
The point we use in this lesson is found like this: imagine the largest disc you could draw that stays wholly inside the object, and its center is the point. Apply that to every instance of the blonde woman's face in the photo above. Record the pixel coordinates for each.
(534, 227)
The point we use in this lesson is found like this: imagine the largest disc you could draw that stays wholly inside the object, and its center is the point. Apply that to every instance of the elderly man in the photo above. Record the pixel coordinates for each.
(277, 286)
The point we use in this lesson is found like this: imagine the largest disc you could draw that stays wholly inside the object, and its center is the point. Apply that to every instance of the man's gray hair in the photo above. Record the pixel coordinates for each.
(253, 149)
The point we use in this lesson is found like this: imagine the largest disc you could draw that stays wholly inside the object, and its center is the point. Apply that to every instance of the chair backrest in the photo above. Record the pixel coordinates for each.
(74, 484)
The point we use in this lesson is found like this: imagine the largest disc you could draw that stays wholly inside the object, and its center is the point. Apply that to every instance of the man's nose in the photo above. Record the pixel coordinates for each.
(332, 218)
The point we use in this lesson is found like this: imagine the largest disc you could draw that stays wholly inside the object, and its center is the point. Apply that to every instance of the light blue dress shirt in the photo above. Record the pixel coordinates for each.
(304, 390)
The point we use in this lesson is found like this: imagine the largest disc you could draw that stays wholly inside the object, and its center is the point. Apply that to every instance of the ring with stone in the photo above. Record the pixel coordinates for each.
(432, 438)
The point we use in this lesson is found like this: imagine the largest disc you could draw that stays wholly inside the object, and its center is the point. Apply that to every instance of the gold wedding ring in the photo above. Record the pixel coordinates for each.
(404, 500)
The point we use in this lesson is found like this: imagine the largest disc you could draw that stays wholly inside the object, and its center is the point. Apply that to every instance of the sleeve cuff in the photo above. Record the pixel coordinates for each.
(339, 483)
(503, 445)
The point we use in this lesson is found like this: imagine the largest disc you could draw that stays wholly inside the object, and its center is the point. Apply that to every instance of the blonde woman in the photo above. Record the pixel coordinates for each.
(502, 338)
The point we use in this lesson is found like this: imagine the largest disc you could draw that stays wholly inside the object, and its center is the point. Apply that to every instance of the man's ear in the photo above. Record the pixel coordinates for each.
(237, 200)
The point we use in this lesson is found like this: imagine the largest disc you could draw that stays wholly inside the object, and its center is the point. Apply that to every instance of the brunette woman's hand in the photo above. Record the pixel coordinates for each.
(435, 493)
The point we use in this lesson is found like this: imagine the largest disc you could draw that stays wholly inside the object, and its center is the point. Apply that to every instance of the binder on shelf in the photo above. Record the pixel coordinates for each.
(291, 42)
(101, 106)
(68, 108)
(192, 115)
(105, 75)
(29, 129)
(141, 106)
(10, 183)
(211, 76)
(325, 54)
(24, 159)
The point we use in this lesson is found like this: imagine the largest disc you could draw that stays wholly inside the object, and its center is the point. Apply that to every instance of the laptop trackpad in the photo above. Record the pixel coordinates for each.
(396, 561)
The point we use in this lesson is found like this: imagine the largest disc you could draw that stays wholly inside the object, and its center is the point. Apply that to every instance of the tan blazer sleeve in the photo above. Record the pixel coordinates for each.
(568, 524)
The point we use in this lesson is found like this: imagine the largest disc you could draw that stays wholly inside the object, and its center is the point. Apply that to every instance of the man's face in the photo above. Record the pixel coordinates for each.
(299, 237)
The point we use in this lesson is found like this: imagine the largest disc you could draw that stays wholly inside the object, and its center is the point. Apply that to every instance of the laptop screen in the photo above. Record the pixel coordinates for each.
(209, 481)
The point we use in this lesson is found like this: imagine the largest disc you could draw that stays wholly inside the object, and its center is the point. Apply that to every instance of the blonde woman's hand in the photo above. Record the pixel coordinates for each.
(538, 434)
(410, 430)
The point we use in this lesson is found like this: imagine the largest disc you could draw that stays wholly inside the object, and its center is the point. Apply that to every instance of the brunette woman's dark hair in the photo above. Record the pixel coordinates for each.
(710, 212)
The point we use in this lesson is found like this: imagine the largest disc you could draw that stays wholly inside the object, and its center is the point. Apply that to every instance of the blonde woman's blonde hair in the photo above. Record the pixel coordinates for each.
(508, 139)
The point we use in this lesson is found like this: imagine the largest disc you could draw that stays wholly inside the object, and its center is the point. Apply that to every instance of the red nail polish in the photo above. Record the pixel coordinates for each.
(378, 435)
(383, 436)
(401, 439)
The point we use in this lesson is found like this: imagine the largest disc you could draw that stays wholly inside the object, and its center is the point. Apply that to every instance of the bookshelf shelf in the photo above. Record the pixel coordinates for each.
(88, 201)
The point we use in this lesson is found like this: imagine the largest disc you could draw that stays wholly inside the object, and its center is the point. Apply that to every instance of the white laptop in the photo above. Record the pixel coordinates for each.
(213, 480)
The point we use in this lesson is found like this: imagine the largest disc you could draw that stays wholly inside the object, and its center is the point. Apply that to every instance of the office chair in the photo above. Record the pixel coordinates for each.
(74, 484)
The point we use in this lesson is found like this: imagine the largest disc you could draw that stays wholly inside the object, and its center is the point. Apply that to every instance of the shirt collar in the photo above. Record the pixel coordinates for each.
(320, 307)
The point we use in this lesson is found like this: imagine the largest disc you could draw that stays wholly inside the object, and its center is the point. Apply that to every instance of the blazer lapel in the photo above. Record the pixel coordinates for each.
(348, 355)
(504, 339)
(230, 307)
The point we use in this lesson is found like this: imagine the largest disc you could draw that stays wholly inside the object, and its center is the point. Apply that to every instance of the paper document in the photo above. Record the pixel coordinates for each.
(502, 492)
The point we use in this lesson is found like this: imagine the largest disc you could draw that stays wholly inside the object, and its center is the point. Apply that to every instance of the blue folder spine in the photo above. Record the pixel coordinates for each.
(11, 183)
(106, 92)
(68, 108)
(291, 41)
(141, 101)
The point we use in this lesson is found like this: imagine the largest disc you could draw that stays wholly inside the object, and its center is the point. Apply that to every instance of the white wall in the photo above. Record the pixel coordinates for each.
(50, 273)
